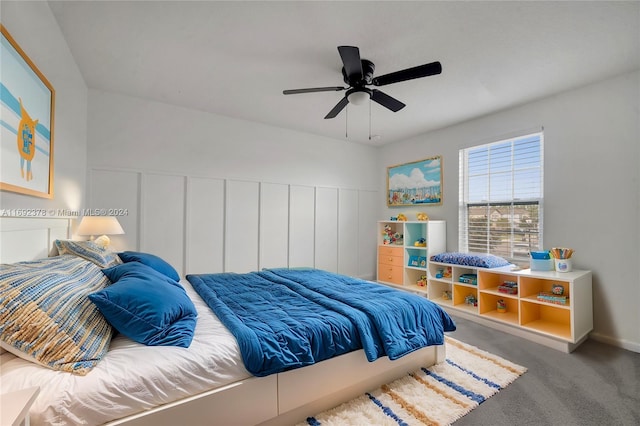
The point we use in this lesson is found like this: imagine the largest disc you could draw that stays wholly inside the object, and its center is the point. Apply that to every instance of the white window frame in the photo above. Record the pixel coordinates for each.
(504, 207)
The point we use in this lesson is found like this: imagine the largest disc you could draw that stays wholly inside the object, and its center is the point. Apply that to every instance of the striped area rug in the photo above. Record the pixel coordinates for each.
(437, 395)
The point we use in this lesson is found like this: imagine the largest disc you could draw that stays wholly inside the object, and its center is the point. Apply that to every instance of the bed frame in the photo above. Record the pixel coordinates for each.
(279, 399)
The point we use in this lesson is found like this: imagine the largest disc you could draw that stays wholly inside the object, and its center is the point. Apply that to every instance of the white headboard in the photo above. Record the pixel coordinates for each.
(30, 238)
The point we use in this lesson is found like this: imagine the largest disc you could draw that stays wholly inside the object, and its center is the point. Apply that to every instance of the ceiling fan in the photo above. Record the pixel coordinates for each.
(358, 74)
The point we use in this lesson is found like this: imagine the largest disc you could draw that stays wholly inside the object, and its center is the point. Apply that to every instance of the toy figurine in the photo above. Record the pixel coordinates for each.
(422, 282)
(420, 243)
(387, 235)
(398, 239)
(471, 300)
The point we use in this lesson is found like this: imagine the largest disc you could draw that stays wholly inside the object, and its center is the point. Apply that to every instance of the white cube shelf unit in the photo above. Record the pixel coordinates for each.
(402, 263)
(562, 326)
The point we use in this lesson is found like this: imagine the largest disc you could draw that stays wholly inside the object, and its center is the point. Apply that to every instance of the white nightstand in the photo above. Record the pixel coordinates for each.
(15, 406)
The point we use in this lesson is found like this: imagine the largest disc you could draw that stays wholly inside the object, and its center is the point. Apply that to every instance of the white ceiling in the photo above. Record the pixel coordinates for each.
(235, 58)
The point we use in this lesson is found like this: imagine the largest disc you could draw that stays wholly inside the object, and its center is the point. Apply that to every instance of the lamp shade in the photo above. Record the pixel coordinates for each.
(99, 225)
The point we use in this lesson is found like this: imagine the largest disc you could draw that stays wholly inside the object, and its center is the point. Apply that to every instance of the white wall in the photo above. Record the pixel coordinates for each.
(137, 134)
(36, 31)
(212, 194)
(591, 188)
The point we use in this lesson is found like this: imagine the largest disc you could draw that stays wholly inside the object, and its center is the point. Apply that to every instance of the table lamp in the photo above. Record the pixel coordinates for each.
(99, 225)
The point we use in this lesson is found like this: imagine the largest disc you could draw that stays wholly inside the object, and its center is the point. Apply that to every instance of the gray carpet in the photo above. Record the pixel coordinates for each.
(597, 384)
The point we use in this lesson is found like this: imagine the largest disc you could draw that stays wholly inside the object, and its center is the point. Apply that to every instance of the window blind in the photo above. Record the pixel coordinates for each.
(501, 194)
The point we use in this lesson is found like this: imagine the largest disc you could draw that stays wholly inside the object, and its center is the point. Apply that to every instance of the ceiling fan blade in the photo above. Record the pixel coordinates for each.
(350, 56)
(336, 109)
(313, 90)
(386, 101)
(408, 74)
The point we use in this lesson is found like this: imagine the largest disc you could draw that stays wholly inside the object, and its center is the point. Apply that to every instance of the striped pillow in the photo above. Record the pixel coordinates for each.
(90, 251)
(46, 316)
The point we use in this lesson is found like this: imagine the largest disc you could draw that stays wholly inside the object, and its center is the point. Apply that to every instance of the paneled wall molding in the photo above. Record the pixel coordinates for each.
(205, 224)
(213, 176)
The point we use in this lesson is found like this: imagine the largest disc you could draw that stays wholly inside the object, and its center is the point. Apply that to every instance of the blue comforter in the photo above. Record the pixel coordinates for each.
(285, 319)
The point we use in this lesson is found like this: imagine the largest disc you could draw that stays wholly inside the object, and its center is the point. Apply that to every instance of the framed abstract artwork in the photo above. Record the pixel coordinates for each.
(416, 183)
(27, 100)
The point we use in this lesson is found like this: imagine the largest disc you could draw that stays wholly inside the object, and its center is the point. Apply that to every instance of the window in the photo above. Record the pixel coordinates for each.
(501, 193)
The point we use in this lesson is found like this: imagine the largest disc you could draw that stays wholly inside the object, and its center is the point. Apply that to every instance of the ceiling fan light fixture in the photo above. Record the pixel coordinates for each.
(358, 97)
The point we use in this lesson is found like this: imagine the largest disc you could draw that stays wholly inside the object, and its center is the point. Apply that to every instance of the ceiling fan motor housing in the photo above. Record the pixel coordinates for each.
(368, 68)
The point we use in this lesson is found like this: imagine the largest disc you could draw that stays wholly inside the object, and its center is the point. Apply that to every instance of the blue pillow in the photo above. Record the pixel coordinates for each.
(147, 306)
(151, 260)
(479, 260)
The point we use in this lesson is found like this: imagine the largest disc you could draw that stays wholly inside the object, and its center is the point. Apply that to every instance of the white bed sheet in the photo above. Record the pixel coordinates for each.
(132, 377)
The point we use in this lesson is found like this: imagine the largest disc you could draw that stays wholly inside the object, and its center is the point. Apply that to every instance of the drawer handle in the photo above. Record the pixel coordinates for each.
(390, 259)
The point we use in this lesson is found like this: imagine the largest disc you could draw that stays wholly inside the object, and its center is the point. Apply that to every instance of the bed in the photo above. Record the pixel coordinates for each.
(204, 383)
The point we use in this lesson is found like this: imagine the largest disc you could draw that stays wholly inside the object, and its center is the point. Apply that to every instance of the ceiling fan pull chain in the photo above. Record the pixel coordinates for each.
(369, 119)
(346, 122)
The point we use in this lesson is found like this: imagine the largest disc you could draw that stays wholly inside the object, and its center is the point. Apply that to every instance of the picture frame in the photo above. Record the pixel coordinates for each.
(26, 138)
(418, 183)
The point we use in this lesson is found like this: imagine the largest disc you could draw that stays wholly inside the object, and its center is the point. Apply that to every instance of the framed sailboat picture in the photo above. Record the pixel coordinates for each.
(415, 183)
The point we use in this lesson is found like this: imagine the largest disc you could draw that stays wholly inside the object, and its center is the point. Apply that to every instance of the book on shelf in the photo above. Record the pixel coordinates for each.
(509, 287)
(544, 296)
